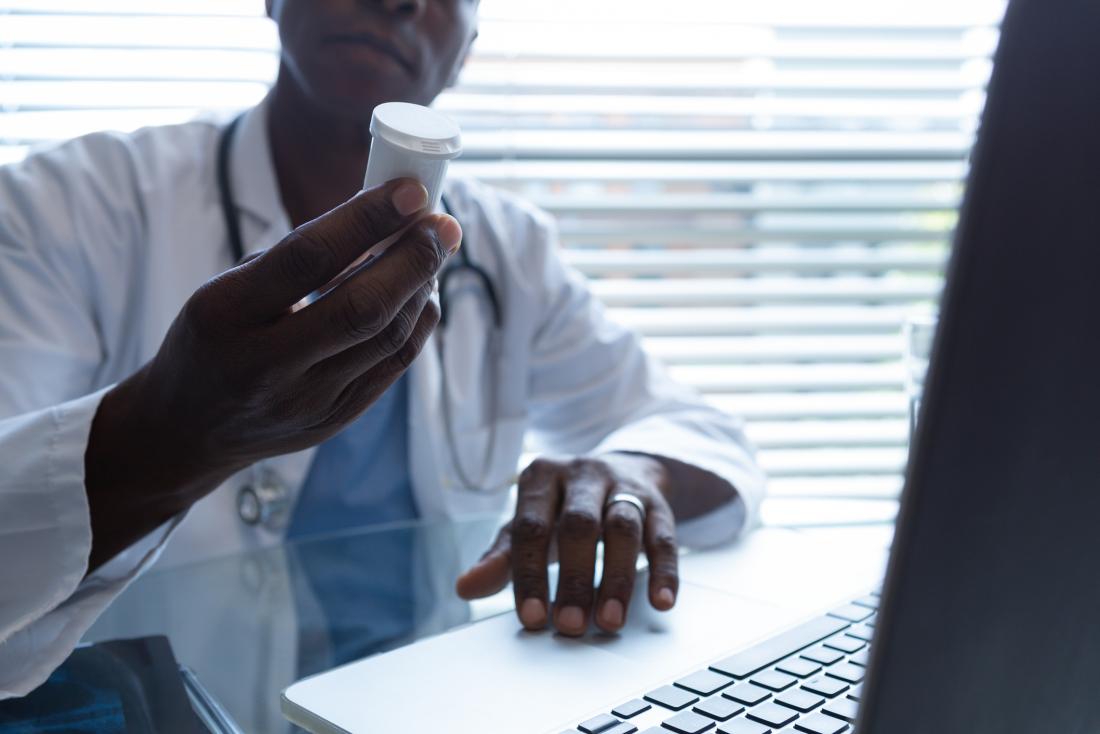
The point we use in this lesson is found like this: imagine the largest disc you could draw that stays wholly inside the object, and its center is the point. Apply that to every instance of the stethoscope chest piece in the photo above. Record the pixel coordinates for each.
(265, 500)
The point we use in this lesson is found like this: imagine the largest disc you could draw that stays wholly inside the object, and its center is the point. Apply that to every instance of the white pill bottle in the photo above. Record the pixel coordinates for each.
(408, 140)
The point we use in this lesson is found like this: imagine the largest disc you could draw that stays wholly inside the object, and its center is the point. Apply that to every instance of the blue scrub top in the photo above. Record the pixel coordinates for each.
(363, 585)
(360, 476)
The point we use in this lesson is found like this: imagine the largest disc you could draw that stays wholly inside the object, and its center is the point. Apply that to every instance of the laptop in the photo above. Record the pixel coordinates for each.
(989, 618)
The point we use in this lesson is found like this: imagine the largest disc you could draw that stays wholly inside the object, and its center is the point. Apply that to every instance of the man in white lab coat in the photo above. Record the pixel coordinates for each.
(144, 380)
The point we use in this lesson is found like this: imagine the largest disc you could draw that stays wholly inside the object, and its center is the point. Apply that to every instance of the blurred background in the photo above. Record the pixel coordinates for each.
(765, 190)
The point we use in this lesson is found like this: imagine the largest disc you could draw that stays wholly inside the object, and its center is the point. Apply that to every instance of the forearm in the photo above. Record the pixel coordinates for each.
(140, 471)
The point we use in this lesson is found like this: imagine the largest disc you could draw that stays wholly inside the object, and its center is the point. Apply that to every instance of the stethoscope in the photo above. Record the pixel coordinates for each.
(266, 498)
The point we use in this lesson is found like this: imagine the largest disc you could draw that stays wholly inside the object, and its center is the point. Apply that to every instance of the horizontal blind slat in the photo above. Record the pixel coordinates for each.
(766, 290)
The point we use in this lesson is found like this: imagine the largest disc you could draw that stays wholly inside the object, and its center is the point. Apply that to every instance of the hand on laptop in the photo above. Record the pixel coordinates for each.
(566, 507)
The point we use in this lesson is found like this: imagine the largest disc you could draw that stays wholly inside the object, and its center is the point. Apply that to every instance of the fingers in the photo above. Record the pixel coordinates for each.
(365, 389)
(318, 251)
(348, 365)
(622, 542)
(536, 512)
(661, 551)
(250, 258)
(578, 535)
(492, 572)
(364, 304)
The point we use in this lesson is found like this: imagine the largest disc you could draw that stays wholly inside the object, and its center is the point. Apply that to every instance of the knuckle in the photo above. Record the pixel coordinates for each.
(588, 467)
(622, 525)
(531, 579)
(530, 530)
(618, 582)
(429, 317)
(578, 525)
(416, 341)
(361, 312)
(304, 254)
(207, 316)
(426, 253)
(663, 544)
(407, 355)
(397, 333)
(200, 309)
(373, 216)
(577, 586)
(537, 469)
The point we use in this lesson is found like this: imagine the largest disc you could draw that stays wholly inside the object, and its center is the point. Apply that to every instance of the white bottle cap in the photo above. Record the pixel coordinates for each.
(408, 140)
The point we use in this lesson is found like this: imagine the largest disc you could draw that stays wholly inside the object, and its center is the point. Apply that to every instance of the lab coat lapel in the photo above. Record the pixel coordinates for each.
(255, 185)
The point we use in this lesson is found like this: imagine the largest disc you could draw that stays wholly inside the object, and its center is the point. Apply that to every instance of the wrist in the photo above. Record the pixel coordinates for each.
(140, 470)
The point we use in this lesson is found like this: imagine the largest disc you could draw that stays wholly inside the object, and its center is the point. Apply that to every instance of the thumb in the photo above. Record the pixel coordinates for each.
(492, 572)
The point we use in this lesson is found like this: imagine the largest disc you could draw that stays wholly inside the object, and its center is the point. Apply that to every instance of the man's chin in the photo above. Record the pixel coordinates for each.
(357, 103)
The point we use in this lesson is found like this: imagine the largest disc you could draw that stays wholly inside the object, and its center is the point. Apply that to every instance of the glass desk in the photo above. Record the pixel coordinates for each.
(251, 624)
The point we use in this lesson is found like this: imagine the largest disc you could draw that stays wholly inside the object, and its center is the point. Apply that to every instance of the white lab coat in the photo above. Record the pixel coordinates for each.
(103, 238)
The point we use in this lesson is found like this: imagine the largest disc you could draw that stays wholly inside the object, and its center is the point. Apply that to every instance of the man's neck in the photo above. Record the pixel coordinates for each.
(319, 158)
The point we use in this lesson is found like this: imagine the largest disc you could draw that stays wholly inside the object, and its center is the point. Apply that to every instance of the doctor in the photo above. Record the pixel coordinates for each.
(158, 402)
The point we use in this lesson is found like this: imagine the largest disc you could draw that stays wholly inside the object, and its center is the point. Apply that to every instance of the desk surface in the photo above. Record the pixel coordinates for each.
(251, 624)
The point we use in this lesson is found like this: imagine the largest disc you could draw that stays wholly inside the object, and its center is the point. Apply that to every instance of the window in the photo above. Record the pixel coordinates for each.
(765, 190)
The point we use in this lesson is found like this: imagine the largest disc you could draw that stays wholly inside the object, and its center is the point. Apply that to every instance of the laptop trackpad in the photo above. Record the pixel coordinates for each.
(509, 680)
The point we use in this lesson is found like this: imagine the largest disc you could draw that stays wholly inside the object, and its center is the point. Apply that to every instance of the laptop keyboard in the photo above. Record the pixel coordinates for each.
(807, 680)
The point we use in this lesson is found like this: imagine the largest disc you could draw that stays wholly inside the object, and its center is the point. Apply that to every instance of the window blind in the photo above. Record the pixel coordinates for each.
(765, 190)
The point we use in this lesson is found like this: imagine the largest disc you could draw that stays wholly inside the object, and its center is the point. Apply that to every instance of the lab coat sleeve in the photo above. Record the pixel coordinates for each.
(594, 389)
(56, 209)
(46, 600)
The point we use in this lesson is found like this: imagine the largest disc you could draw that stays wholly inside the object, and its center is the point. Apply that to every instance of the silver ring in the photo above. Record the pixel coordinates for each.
(629, 499)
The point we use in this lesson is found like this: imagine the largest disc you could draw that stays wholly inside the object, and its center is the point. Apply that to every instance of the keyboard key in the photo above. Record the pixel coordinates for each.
(760, 656)
(823, 655)
(719, 709)
(688, 722)
(870, 621)
(842, 708)
(671, 697)
(860, 632)
(798, 666)
(860, 658)
(856, 693)
(823, 686)
(869, 601)
(747, 694)
(624, 728)
(742, 726)
(597, 724)
(821, 724)
(705, 682)
(774, 680)
(772, 715)
(630, 709)
(846, 672)
(844, 643)
(800, 701)
(852, 613)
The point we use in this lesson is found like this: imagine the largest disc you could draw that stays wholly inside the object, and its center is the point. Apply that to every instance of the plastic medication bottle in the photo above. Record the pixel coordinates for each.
(413, 141)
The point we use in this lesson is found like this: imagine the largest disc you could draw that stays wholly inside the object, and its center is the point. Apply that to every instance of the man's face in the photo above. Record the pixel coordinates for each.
(351, 55)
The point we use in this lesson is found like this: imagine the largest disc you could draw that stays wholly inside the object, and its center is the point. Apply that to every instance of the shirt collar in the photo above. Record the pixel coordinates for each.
(255, 187)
